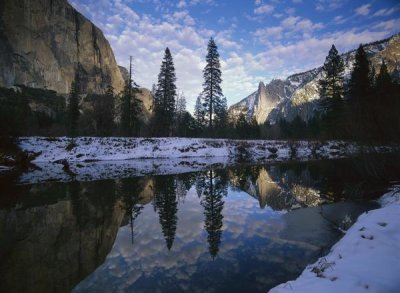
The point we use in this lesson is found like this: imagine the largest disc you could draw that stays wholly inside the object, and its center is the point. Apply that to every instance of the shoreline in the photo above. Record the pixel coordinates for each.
(366, 258)
(89, 149)
(96, 158)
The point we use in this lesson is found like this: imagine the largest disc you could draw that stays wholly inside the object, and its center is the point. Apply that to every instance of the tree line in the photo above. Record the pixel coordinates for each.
(363, 107)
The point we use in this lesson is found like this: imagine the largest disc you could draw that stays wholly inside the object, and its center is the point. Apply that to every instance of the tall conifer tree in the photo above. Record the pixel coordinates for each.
(165, 96)
(212, 92)
(130, 106)
(332, 91)
(387, 106)
(221, 116)
(360, 93)
(360, 81)
(199, 111)
(331, 85)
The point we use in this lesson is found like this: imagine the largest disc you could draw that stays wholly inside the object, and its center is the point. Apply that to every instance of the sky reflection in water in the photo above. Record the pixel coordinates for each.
(221, 241)
(216, 231)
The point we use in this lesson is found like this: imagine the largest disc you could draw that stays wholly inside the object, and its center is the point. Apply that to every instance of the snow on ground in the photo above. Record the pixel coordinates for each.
(95, 158)
(117, 148)
(366, 259)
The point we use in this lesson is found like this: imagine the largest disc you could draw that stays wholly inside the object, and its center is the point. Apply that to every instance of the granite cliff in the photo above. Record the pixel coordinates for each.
(44, 42)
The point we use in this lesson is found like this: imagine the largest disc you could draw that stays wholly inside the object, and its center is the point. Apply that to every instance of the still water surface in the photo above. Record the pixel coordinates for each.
(242, 229)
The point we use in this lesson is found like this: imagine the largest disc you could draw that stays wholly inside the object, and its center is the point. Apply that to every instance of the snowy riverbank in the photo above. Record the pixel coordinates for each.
(366, 259)
(95, 158)
(89, 149)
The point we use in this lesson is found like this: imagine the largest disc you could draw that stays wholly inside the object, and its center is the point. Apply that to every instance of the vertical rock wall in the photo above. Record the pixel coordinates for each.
(44, 42)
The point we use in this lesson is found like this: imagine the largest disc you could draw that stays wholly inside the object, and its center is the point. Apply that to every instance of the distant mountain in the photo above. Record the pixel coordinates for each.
(44, 42)
(298, 94)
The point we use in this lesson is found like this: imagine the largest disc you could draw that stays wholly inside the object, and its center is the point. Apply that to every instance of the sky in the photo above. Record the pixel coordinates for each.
(258, 40)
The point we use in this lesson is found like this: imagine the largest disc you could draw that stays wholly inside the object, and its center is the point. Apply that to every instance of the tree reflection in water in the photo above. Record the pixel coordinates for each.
(215, 188)
(165, 202)
(55, 234)
(130, 190)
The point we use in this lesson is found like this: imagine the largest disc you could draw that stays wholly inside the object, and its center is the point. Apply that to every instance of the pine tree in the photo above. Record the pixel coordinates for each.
(221, 116)
(188, 126)
(165, 96)
(180, 110)
(199, 111)
(212, 92)
(73, 107)
(386, 105)
(360, 81)
(332, 91)
(242, 126)
(103, 106)
(331, 86)
(360, 89)
(180, 107)
(126, 110)
(383, 81)
(153, 89)
(130, 107)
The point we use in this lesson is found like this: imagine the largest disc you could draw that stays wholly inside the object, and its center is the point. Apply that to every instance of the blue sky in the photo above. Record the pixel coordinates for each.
(258, 40)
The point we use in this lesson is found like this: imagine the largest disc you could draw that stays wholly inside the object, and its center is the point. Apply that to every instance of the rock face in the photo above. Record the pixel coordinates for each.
(298, 94)
(147, 107)
(44, 42)
(124, 73)
(259, 104)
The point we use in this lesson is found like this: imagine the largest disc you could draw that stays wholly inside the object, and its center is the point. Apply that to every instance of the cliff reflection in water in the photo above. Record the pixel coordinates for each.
(57, 235)
(178, 232)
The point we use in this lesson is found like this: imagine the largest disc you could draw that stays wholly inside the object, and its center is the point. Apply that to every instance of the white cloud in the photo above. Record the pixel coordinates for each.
(180, 17)
(339, 19)
(290, 21)
(291, 45)
(264, 9)
(269, 31)
(363, 10)
(208, 2)
(310, 52)
(389, 25)
(308, 25)
(386, 12)
(182, 4)
(296, 23)
(328, 5)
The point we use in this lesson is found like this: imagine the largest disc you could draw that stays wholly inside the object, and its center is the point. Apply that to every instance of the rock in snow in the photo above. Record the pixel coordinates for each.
(366, 259)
